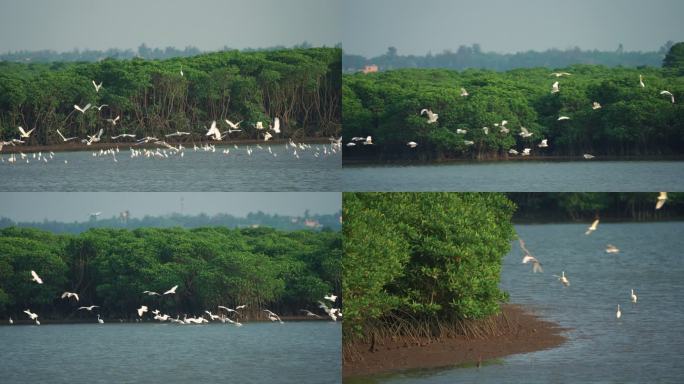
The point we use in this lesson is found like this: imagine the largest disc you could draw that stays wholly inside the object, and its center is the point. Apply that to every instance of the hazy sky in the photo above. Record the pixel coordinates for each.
(63, 25)
(71, 206)
(417, 27)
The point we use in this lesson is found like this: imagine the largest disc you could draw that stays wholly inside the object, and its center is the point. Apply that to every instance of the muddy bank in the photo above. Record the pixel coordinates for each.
(126, 144)
(360, 161)
(527, 333)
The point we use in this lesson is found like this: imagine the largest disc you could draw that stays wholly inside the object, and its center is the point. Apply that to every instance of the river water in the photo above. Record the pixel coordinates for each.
(312, 170)
(519, 176)
(293, 352)
(644, 346)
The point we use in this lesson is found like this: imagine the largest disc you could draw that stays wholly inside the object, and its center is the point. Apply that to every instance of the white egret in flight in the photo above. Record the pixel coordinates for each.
(97, 86)
(662, 198)
(668, 93)
(69, 294)
(592, 227)
(65, 139)
(432, 117)
(171, 291)
(24, 134)
(88, 308)
(35, 277)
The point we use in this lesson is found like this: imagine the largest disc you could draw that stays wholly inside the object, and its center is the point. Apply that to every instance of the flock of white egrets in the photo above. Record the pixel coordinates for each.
(432, 118)
(206, 317)
(610, 249)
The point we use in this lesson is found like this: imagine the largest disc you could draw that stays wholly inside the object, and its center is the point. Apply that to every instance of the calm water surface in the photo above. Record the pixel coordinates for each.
(294, 352)
(645, 346)
(195, 171)
(523, 176)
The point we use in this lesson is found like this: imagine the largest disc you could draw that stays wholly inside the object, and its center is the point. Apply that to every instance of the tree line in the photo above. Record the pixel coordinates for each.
(474, 57)
(585, 206)
(124, 221)
(631, 121)
(300, 86)
(422, 260)
(260, 267)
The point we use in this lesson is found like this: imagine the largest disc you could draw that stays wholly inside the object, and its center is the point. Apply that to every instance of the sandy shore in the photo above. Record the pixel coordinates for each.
(528, 333)
(62, 147)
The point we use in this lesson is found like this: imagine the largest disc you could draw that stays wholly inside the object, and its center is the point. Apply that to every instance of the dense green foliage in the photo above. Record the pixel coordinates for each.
(300, 86)
(423, 255)
(258, 219)
(474, 57)
(632, 121)
(285, 271)
(555, 206)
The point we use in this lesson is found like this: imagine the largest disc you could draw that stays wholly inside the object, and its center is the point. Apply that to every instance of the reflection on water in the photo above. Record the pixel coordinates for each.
(294, 352)
(312, 170)
(516, 176)
(645, 345)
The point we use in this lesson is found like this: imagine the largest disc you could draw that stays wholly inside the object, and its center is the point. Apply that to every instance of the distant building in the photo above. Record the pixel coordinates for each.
(312, 223)
(370, 69)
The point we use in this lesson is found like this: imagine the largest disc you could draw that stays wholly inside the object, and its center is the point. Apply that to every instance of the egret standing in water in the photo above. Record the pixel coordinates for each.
(633, 297)
(564, 280)
(618, 314)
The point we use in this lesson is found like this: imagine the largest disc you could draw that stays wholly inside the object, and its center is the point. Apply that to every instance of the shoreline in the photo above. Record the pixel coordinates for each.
(76, 147)
(530, 333)
(114, 320)
(365, 162)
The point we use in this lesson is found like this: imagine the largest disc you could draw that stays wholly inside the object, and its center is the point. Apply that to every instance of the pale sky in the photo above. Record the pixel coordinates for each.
(63, 25)
(505, 26)
(76, 206)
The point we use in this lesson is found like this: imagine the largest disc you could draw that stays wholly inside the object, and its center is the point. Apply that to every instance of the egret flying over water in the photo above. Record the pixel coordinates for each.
(662, 198)
(564, 280)
(114, 120)
(536, 265)
(97, 86)
(35, 277)
(213, 131)
(561, 118)
(273, 317)
(142, 310)
(65, 139)
(30, 314)
(233, 125)
(309, 313)
(23, 134)
(592, 227)
(544, 143)
(171, 291)
(525, 133)
(90, 308)
(610, 248)
(67, 295)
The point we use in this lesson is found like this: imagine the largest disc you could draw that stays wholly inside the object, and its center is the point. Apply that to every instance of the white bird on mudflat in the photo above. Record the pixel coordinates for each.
(561, 118)
(114, 120)
(177, 133)
(141, 310)
(560, 74)
(88, 308)
(309, 313)
(633, 297)
(618, 314)
(592, 227)
(641, 81)
(668, 93)
(588, 156)
(526, 151)
(525, 133)
(23, 134)
(544, 143)
(461, 131)
(35, 277)
(69, 294)
(555, 88)
(99, 320)
(65, 139)
(564, 280)
(82, 110)
(214, 132)
(276, 125)
(610, 248)
(662, 198)
(464, 93)
(30, 314)
(432, 117)
(97, 86)
(595, 105)
(171, 291)
(412, 144)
